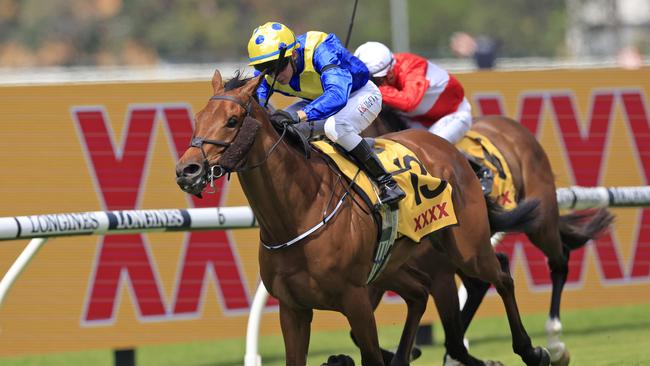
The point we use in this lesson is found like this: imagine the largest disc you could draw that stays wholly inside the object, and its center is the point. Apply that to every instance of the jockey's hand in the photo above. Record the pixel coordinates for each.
(281, 116)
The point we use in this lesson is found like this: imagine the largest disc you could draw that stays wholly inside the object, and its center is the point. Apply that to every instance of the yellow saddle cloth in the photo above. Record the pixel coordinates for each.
(481, 148)
(427, 207)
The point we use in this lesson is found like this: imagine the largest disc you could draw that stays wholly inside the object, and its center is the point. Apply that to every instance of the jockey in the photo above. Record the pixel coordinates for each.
(334, 87)
(428, 96)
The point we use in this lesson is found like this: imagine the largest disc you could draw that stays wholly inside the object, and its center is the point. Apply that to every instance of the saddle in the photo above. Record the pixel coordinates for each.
(427, 207)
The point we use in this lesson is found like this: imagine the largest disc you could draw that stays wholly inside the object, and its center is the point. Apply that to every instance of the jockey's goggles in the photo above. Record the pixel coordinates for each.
(271, 67)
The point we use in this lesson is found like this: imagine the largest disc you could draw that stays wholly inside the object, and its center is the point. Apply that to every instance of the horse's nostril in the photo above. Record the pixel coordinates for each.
(191, 169)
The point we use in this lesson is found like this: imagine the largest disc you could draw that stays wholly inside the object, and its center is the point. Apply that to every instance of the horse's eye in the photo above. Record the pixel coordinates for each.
(232, 122)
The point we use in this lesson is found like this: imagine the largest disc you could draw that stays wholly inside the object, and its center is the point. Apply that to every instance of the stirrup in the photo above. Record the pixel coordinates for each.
(390, 195)
(486, 177)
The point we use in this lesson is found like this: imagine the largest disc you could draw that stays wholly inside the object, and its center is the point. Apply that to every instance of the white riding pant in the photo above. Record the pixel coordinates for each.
(359, 112)
(453, 126)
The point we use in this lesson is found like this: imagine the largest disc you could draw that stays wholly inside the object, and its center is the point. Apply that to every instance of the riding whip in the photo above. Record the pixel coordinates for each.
(283, 50)
(354, 12)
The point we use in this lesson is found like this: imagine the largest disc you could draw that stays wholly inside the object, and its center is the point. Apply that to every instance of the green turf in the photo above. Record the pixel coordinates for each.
(614, 336)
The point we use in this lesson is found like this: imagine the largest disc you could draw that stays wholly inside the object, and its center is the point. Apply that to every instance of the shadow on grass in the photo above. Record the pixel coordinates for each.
(501, 337)
(475, 340)
(280, 358)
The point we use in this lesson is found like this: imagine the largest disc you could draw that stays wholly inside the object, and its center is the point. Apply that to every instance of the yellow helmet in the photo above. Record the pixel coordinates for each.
(267, 41)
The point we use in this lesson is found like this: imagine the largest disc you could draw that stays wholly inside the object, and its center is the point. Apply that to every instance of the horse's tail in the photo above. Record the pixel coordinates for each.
(576, 229)
(522, 218)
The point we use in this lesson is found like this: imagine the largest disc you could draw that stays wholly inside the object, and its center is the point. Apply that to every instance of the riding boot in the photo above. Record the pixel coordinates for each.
(389, 192)
(485, 176)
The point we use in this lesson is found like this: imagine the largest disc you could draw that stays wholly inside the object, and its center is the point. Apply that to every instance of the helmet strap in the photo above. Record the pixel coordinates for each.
(293, 65)
(283, 51)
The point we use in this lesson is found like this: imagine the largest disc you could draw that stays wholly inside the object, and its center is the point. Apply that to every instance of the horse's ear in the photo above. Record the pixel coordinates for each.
(217, 82)
(251, 85)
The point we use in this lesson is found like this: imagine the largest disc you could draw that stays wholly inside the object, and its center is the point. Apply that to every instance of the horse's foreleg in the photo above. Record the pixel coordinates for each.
(476, 291)
(445, 296)
(376, 295)
(444, 292)
(358, 310)
(296, 329)
(413, 286)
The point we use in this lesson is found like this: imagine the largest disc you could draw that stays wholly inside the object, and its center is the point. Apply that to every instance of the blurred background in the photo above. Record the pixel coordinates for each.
(36, 33)
(96, 105)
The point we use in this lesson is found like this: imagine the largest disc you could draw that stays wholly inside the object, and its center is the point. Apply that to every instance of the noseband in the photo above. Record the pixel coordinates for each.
(217, 171)
(198, 142)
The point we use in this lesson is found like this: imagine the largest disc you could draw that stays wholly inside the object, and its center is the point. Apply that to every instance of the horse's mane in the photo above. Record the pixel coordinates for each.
(237, 81)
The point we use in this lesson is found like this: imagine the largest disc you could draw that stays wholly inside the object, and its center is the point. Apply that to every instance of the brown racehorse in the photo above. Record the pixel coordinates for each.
(328, 268)
(556, 235)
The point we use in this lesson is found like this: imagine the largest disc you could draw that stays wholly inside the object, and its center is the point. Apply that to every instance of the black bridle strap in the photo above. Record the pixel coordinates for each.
(246, 106)
(199, 141)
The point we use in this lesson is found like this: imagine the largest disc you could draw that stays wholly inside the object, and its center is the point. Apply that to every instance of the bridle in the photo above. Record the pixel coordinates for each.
(216, 171)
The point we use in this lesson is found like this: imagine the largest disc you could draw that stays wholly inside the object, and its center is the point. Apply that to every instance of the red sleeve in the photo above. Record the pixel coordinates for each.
(410, 82)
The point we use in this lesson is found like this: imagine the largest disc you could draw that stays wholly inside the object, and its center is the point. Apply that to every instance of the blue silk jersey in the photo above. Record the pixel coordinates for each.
(326, 74)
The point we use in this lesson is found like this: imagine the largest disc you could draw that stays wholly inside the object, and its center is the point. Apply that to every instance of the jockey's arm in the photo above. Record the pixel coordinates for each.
(336, 81)
(337, 84)
(411, 84)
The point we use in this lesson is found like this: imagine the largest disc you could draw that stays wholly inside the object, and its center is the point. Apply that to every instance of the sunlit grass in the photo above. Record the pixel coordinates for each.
(612, 336)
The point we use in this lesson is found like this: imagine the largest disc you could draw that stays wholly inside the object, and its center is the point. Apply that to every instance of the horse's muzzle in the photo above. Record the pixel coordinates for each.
(191, 178)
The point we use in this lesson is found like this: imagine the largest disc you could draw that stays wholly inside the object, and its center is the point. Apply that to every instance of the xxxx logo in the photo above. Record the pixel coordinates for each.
(436, 212)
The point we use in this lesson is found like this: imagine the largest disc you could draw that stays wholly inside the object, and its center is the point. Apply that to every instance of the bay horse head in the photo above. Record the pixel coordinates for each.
(224, 133)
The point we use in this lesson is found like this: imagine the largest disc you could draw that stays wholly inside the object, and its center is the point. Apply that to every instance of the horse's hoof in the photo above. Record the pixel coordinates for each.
(544, 356)
(493, 363)
(339, 360)
(415, 353)
(468, 361)
(564, 360)
(450, 361)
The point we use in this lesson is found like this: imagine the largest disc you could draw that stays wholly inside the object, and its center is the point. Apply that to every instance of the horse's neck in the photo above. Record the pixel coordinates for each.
(281, 190)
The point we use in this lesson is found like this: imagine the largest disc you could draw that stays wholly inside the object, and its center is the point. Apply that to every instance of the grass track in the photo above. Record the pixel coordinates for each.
(612, 336)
